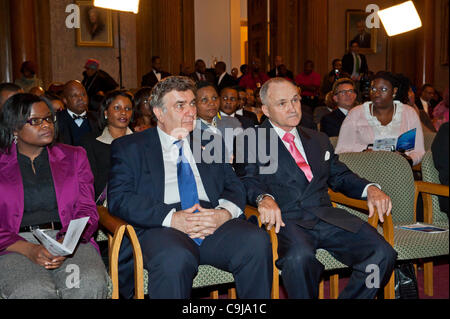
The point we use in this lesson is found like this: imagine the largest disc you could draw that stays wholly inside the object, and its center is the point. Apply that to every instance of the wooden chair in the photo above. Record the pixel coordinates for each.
(207, 276)
(395, 176)
(330, 263)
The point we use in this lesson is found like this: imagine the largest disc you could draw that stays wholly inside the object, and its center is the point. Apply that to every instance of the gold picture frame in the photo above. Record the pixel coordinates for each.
(96, 29)
(356, 29)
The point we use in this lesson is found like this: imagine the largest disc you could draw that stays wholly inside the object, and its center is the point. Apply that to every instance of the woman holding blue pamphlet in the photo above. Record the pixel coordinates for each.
(383, 123)
(43, 187)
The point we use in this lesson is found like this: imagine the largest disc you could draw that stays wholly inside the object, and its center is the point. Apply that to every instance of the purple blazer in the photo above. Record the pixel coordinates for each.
(74, 188)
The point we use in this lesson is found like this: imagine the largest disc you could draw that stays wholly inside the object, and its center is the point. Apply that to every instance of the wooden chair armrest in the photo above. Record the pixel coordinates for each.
(116, 228)
(417, 168)
(388, 225)
(427, 189)
(432, 188)
(253, 211)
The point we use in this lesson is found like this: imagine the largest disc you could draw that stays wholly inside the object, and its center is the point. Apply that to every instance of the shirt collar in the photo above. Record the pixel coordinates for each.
(72, 114)
(281, 132)
(167, 141)
(107, 138)
(225, 114)
(343, 110)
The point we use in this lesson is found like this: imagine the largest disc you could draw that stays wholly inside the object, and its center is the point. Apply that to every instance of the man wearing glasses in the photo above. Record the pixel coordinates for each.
(344, 97)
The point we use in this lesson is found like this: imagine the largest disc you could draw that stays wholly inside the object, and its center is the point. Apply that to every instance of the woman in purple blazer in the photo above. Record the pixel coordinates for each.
(44, 185)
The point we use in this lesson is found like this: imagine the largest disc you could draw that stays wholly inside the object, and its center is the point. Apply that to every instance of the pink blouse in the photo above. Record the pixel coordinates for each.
(360, 128)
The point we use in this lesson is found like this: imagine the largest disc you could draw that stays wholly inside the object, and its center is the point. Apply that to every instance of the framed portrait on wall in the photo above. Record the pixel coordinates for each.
(96, 28)
(357, 30)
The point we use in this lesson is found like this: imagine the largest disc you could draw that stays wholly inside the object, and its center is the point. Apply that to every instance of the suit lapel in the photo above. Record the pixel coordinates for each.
(155, 161)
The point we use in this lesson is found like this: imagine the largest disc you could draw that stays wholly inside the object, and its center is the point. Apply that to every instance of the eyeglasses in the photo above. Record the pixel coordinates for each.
(36, 121)
(345, 92)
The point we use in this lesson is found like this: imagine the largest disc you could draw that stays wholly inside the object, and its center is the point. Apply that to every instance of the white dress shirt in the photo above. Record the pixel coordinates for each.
(225, 114)
(343, 110)
(79, 122)
(221, 77)
(171, 193)
(425, 105)
(157, 74)
(299, 145)
(356, 56)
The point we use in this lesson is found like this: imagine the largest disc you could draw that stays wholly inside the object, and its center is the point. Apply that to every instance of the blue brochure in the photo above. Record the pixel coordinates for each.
(406, 141)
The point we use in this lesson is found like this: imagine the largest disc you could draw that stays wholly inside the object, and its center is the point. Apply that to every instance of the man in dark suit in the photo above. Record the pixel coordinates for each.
(229, 101)
(75, 121)
(290, 189)
(186, 212)
(355, 63)
(275, 72)
(426, 101)
(97, 81)
(223, 79)
(344, 95)
(155, 75)
(202, 73)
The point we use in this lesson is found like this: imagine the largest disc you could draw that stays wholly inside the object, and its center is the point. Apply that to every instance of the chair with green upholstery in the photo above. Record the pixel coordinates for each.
(395, 176)
(433, 215)
(116, 228)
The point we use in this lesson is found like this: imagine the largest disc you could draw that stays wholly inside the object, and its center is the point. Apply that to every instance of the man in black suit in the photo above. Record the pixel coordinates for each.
(426, 101)
(242, 103)
(155, 75)
(275, 72)
(290, 189)
(344, 96)
(202, 73)
(75, 121)
(97, 81)
(186, 210)
(355, 63)
(229, 101)
(223, 79)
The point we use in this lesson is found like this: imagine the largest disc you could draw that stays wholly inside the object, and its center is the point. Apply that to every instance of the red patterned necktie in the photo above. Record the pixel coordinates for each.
(299, 159)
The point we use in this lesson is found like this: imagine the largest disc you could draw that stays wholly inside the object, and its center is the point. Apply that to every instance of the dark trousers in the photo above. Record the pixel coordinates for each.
(301, 271)
(239, 247)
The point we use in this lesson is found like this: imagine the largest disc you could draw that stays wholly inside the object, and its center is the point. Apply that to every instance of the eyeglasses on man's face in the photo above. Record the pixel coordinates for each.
(345, 92)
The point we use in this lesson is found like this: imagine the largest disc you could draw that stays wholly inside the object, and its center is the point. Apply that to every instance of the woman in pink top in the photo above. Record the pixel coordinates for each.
(382, 117)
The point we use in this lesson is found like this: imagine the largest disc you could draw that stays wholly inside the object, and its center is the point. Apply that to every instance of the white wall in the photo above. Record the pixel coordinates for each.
(217, 34)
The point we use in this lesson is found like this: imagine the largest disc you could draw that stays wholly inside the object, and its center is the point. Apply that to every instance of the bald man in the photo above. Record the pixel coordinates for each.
(75, 121)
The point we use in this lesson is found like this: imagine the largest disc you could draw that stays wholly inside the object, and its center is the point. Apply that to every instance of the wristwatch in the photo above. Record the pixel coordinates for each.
(261, 197)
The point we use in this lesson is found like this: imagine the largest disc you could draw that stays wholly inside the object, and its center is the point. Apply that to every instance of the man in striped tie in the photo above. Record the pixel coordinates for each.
(293, 198)
(186, 211)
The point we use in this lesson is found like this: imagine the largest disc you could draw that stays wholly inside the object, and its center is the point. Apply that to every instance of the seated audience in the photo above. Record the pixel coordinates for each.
(29, 78)
(242, 108)
(44, 185)
(229, 101)
(405, 94)
(344, 97)
(276, 72)
(56, 103)
(37, 90)
(188, 218)
(115, 116)
(309, 82)
(202, 73)
(292, 197)
(383, 117)
(97, 81)
(335, 74)
(426, 100)
(440, 111)
(75, 121)
(223, 79)
(155, 75)
(439, 148)
(143, 117)
(255, 77)
(7, 90)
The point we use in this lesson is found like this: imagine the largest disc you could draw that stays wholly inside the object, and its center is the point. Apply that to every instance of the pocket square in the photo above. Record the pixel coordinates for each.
(327, 156)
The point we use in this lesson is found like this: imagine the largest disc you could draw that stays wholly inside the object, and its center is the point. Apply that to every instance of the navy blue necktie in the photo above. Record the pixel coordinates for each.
(187, 186)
